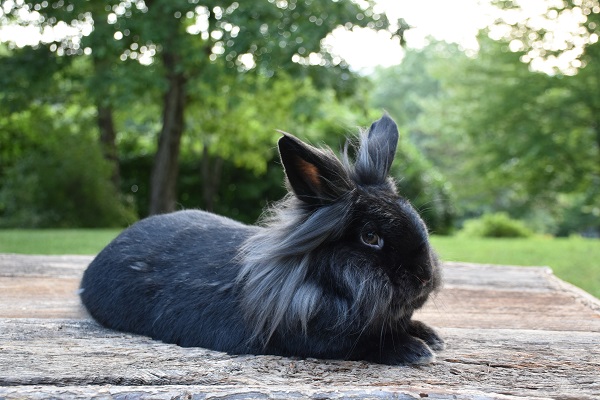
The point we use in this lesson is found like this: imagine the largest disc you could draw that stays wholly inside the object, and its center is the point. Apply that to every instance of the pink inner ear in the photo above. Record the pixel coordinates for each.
(310, 173)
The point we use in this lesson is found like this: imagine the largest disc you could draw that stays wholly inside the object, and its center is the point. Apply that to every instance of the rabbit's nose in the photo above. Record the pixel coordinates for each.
(424, 276)
(424, 281)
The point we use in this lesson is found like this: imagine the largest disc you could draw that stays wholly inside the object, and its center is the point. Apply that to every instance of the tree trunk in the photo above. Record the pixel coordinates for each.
(108, 142)
(211, 177)
(163, 187)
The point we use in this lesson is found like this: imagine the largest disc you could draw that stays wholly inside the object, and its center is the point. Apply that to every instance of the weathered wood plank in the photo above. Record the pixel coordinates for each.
(511, 332)
(525, 363)
(224, 392)
(65, 266)
(41, 286)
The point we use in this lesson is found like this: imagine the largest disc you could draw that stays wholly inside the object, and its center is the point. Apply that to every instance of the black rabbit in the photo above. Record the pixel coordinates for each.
(335, 271)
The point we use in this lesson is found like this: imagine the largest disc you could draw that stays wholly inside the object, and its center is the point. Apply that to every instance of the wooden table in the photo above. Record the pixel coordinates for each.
(511, 333)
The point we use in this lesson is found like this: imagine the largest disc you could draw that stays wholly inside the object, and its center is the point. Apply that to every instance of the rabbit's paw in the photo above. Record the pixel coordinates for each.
(435, 342)
(427, 334)
(410, 351)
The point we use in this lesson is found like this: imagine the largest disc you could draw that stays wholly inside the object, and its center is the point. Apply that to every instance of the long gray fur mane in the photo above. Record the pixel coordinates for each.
(275, 261)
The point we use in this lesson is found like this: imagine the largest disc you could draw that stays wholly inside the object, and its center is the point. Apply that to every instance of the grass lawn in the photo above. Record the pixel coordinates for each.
(55, 241)
(575, 260)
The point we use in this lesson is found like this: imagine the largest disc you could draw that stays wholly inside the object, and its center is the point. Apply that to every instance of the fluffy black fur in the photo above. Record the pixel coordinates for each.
(335, 271)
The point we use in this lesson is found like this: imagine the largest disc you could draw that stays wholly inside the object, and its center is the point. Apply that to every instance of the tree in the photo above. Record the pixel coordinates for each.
(404, 90)
(528, 143)
(564, 41)
(70, 67)
(53, 172)
(572, 53)
(504, 136)
(555, 39)
(236, 120)
(182, 41)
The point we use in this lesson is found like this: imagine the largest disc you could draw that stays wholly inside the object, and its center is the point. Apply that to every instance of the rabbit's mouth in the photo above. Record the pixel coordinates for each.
(402, 278)
(426, 282)
(410, 288)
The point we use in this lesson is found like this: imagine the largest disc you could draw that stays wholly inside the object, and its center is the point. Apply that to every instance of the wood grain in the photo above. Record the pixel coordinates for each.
(511, 333)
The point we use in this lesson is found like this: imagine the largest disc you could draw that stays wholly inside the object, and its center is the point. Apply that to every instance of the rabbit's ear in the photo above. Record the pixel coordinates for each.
(316, 176)
(377, 150)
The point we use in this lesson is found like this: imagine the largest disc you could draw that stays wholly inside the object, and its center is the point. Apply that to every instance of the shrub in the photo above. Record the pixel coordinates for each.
(62, 183)
(495, 225)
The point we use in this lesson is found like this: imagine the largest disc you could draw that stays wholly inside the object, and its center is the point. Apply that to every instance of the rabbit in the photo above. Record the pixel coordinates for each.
(334, 271)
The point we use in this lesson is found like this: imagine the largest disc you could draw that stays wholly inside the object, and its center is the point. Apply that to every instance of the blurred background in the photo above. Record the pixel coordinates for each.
(111, 111)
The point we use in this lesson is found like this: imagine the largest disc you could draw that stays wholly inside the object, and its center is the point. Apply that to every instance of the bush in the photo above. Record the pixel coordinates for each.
(62, 183)
(497, 225)
(241, 193)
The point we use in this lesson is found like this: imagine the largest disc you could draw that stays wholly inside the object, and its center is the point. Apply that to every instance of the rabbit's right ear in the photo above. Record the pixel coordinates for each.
(316, 176)
(377, 151)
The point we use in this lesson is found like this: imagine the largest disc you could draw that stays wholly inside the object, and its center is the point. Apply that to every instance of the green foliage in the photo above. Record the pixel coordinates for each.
(240, 194)
(580, 213)
(59, 180)
(503, 137)
(424, 186)
(403, 90)
(478, 135)
(231, 58)
(532, 134)
(497, 225)
(538, 38)
(237, 119)
(21, 81)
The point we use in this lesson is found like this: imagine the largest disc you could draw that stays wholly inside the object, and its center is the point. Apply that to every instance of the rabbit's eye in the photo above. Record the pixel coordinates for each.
(371, 239)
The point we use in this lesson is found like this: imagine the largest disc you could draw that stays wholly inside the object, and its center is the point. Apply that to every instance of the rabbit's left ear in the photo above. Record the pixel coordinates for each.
(316, 176)
(377, 151)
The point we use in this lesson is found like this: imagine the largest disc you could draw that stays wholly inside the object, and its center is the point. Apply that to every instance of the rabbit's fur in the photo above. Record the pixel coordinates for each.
(335, 271)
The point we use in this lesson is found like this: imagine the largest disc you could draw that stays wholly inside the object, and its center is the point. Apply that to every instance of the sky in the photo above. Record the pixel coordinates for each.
(450, 20)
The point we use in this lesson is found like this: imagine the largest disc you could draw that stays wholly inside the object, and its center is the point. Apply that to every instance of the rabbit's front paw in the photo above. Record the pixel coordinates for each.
(416, 352)
(427, 334)
(435, 342)
(409, 351)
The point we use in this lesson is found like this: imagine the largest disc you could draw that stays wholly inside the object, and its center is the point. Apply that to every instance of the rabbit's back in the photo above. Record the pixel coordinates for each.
(172, 277)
